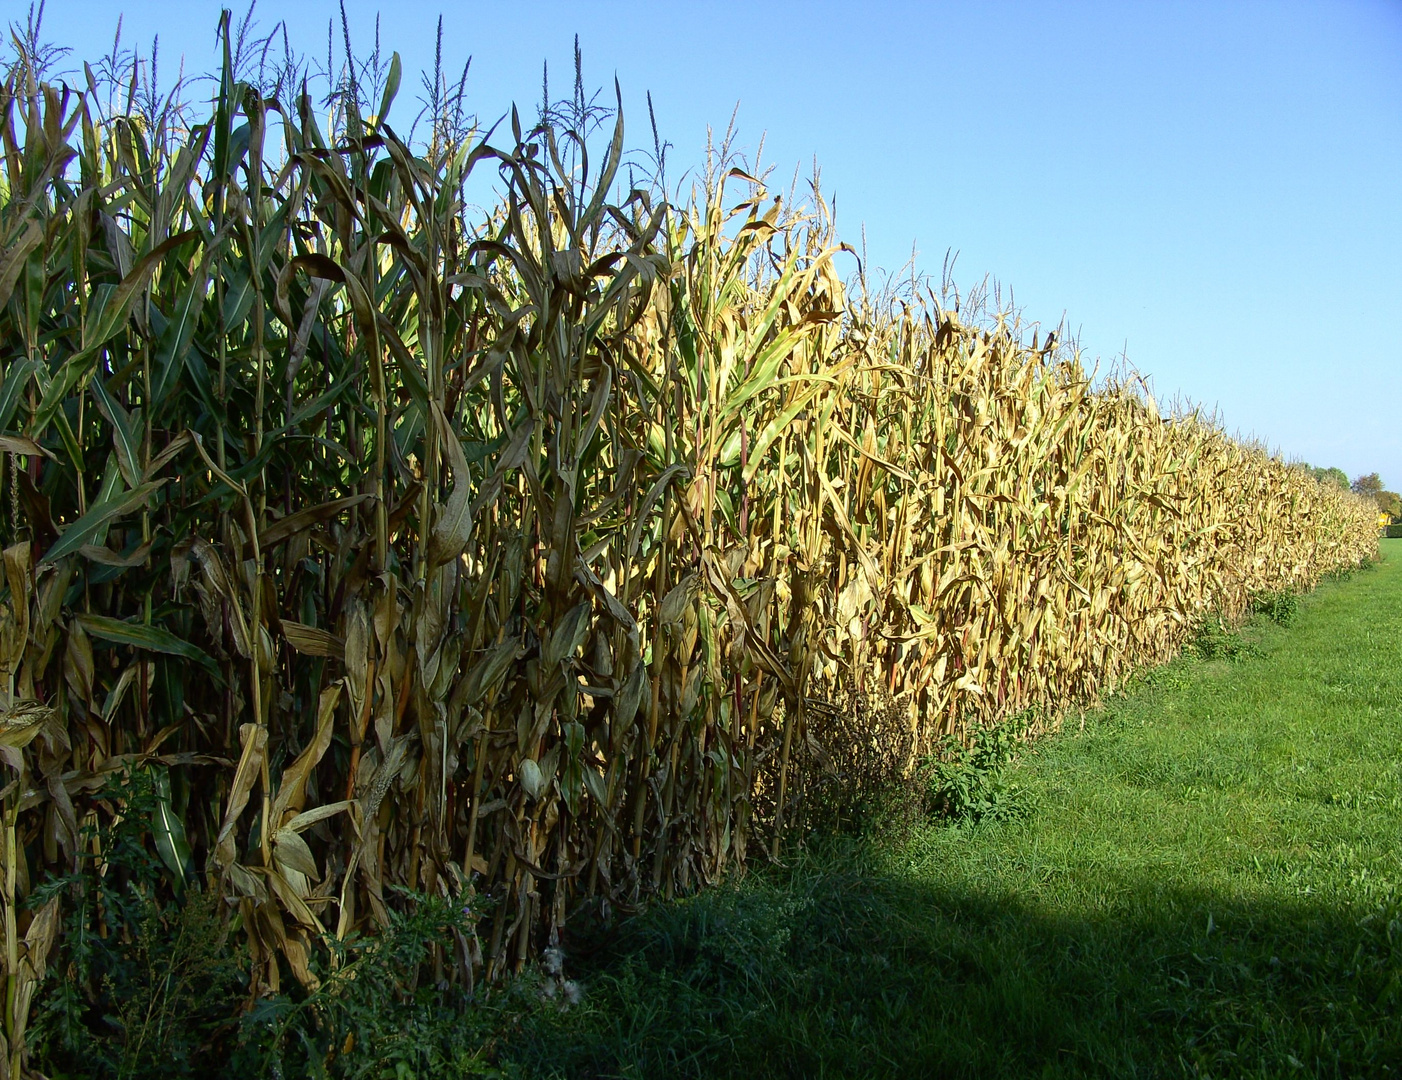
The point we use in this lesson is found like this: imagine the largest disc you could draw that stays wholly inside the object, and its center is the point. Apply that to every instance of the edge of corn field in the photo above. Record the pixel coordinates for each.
(1206, 883)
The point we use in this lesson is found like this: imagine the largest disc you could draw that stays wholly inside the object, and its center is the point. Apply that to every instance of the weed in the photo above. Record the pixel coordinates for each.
(1280, 607)
(147, 985)
(967, 782)
(146, 980)
(1216, 640)
(1170, 677)
(372, 1015)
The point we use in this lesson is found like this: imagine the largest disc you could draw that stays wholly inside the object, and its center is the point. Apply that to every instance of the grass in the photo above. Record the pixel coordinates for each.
(1207, 885)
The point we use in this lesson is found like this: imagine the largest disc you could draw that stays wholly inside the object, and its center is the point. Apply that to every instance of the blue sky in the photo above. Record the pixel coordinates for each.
(1213, 188)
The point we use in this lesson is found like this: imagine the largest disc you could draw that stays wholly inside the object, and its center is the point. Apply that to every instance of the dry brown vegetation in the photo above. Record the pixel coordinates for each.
(589, 550)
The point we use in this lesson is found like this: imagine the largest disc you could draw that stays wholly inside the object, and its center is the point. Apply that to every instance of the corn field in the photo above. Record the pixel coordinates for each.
(583, 550)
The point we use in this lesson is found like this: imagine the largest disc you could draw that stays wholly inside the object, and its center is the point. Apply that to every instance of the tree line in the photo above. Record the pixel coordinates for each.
(1370, 486)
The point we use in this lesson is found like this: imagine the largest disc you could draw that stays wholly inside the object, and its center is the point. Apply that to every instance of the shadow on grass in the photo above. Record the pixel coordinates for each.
(837, 969)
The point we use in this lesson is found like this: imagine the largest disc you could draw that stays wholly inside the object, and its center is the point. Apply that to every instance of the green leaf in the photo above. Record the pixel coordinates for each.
(21, 444)
(294, 523)
(391, 88)
(572, 775)
(17, 376)
(12, 259)
(168, 830)
(126, 428)
(567, 636)
(453, 526)
(104, 512)
(726, 506)
(776, 427)
(149, 638)
(238, 301)
(175, 341)
(69, 439)
(488, 671)
(106, 316)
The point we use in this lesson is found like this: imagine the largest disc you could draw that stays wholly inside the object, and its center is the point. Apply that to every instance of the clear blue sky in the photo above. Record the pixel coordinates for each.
(1211, 187)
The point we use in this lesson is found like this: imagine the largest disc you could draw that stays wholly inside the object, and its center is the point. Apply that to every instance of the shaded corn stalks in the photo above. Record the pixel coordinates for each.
(582, 551)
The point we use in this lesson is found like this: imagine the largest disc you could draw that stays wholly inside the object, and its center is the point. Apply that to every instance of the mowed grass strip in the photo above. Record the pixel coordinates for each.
(1205, 883)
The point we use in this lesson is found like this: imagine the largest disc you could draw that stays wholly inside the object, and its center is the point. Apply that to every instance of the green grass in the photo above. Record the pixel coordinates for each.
(1207, 884)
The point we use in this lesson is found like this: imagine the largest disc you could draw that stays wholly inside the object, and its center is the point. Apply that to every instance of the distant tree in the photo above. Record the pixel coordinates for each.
(1331, 476)
(1369, 486)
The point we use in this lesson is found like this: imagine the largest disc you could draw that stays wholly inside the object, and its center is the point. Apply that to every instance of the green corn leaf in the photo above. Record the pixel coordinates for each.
(238, 300)
(169, 831)
(485, 674)
(126, 432)
(775, 428)
(17, 376)
(69, 438)
(106, 316)
(566, 637)
(178, 334)
(149, 638)
(101, 514)
(391, 88)
(12, 259)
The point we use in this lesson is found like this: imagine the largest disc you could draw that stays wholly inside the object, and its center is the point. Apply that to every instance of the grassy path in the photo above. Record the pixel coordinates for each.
(1207, 884)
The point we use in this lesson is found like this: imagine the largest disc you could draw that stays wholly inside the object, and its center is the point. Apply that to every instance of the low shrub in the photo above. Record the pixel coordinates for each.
(146, 983)
(373, 1014)
(1280, 607)
(1216, 640)
(966, 781)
